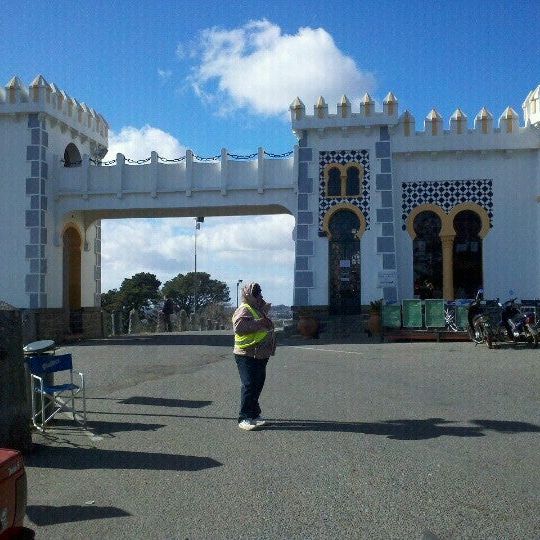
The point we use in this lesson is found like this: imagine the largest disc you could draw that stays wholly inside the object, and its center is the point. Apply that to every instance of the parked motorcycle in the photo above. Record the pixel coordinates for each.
(511, 325)
(517, 325)
(480, 327)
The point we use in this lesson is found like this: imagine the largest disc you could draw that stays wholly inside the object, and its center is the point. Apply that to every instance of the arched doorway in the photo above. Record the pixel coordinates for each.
(344, 230)
(467, 259)
(427, 255)
(72, 269)
(72, 156)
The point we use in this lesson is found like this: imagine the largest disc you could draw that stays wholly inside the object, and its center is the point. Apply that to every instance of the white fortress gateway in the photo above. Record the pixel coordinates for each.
(382, 209)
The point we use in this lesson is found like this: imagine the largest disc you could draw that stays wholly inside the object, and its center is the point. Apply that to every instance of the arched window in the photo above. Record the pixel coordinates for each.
(467, 256)
(352, 188)
(72, 156)
(427, 256)
(343, 180)
(334, 183)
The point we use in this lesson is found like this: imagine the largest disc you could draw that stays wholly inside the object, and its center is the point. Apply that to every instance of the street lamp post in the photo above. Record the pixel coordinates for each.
(237, 285)
(198, 221)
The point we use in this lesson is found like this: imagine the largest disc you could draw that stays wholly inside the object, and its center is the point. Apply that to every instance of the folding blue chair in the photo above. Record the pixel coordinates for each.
(49, 400)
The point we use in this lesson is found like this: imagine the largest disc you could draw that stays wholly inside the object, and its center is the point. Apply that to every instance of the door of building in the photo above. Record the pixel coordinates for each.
(72, 278)
(344, 264)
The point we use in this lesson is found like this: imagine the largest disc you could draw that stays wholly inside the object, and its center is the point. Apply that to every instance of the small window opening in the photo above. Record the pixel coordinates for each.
(72, 156)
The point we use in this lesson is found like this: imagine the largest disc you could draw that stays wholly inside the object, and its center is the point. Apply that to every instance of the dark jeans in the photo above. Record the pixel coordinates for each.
(252, 375)
(167, 322)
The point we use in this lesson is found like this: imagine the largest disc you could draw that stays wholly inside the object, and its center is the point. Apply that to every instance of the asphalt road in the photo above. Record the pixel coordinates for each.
(367, 440)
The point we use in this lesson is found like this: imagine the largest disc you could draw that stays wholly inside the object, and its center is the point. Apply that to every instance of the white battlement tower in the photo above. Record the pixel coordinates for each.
(40, 124)
(370, 172)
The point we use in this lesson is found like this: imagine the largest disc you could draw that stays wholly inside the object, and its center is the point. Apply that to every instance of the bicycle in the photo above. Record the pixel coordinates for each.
(450, 320)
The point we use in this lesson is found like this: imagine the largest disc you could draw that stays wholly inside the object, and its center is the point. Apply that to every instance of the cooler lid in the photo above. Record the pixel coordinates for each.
(39, 346)
(11, 462)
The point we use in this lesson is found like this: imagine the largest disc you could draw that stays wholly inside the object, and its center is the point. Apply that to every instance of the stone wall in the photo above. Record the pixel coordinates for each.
(92, 319)
(53, 323)
(14, 406)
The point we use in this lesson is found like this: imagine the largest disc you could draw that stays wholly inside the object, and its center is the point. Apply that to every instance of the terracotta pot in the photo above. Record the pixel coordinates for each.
(308, 327)
(374, 323)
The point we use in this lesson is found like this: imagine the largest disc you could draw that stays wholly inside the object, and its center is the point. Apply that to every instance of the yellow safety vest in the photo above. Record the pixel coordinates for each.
(245, 341)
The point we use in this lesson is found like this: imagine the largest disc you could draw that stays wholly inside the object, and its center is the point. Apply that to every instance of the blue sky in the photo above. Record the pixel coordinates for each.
(206, 75)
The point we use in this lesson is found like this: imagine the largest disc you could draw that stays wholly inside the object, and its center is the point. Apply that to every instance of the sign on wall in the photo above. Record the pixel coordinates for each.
(387, 278)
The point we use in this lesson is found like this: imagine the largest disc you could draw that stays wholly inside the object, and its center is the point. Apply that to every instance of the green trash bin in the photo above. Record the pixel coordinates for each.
(391, 316)
(462, 320)
(412, 313)
(434, 311)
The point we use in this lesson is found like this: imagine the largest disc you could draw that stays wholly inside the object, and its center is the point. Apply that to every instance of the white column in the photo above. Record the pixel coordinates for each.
(260, 170)
(224, 160)
(119, 174)
(189, 172)
(154, 172)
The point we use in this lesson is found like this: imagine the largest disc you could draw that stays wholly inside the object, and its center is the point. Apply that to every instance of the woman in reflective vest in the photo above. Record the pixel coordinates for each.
(254, 343)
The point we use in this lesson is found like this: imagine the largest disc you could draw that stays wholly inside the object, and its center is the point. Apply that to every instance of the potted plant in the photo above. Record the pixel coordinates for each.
(308, 326)
(375, 316)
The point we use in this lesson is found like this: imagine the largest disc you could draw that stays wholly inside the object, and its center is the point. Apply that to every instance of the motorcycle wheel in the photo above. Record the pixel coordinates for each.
(489, 340)
(473, 338)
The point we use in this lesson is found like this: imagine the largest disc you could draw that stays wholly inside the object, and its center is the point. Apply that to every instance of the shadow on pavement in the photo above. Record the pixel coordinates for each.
(56, 457)
(108, 428)
(42, 515)
(200, 338)
(164, 402)
(406, 430)
(503, 426)
(394, 429)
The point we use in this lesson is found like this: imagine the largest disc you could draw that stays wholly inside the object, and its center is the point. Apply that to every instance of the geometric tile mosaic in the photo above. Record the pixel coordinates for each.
(36, 155)
(446, 194)
(342, 157)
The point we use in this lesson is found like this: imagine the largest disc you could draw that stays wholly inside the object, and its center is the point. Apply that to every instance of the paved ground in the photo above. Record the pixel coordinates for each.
(368, 440)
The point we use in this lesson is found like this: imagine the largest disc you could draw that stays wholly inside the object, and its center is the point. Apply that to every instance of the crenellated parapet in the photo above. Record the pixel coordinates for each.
(365, 115)
(189, 175)
(346, 115)
(507, 123)
(531, 107)
(61, 109)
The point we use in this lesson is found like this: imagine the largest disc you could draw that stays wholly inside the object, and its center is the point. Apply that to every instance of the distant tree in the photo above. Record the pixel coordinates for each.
(136, 292)
(221, 313)
(111, 300)
(140, 291)
(209, 291)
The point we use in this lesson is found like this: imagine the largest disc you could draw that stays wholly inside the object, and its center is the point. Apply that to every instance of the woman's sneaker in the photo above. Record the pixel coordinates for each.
(260, 421)
(249, 425)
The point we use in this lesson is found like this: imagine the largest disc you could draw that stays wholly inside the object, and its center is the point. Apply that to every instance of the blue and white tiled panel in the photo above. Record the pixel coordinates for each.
(36, 208)
(446, 194)
(342, 157)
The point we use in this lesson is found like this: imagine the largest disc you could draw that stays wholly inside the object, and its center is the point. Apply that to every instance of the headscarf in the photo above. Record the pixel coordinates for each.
(255, 300)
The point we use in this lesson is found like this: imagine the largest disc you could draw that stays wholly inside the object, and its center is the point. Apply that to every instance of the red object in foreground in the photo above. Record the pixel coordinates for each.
(13, 493)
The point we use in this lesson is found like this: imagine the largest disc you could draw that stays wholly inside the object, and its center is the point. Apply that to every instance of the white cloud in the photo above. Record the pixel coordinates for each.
(138, 143)
(259, 68)
(164, 74)
(180, 51)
